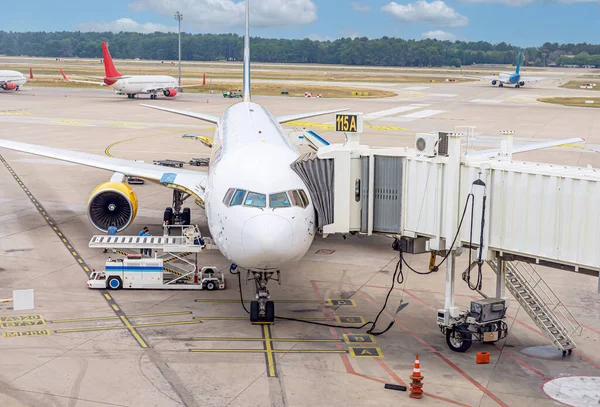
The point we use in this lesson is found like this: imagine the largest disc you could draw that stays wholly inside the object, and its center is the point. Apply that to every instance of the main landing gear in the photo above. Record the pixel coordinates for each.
(262, 310)
(153, 96)
(175, 215)
(131, 95)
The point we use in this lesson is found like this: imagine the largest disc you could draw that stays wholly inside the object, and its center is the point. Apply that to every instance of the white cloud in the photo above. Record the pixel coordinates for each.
(521, 3)
(319, 37)
(213, 15)
(435, 13)
(124, 24)
(439, 35)
(361, 8)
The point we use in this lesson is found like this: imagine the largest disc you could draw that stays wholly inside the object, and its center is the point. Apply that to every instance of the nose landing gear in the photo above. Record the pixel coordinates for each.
(262, 310)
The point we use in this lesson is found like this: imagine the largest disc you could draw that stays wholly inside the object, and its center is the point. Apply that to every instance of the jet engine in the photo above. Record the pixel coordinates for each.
(112, 202)
(494, 82)
(170, 92)
(521, 83)
(9, 86)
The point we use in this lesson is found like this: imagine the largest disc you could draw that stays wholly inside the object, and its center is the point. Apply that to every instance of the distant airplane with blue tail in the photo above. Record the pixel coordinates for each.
(511, 78)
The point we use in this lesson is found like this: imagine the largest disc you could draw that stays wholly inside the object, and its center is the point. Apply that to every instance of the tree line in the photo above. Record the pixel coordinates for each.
(385, 51)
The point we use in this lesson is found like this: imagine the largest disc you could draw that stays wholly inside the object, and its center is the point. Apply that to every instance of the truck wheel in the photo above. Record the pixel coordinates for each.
(459, 338)
(114, 283)
(211, 286)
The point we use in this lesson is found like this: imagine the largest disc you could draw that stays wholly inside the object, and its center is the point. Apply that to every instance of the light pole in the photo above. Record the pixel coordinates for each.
(179, 17)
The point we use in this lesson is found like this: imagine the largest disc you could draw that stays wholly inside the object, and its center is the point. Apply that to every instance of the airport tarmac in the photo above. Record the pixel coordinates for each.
(80, 347)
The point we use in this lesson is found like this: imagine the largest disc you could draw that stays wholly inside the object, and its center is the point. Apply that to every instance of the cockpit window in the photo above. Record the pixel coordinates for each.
(228, 196)
(255, 199)
(304, 198)
(279, 200)
(238, 197)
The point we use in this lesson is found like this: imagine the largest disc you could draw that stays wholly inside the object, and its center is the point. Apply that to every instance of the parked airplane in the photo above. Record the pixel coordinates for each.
(133, 85)
(511, 78)
(12, 80)
(259, 212)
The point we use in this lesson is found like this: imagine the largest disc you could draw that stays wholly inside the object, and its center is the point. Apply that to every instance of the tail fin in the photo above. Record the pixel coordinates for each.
(30, 73)
(109, 66)
(246, 91)
(519, 62)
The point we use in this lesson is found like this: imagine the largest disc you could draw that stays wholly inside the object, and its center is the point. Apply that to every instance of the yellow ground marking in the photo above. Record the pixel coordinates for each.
(128, 325)
(107, 296)
(15, 113)
(39, 332)
(278, 301)
(269, 351)
(69, 122)
(225, 339)
(110, 146)
(115, 307)
(164, 314)
(266, 351)
(366, 352)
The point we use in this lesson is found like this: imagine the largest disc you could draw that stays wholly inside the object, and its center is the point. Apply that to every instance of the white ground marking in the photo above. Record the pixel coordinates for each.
(416, 88)
(414, 116)
(389, 112)
(486, 101)
(444, 95)
(580, 391)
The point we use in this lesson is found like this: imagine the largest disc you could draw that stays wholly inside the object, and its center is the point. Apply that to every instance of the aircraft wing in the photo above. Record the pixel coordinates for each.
(192, 182)
(528, 79)
(206, 117)
(298, 116)
(80, 81)
(527, 147)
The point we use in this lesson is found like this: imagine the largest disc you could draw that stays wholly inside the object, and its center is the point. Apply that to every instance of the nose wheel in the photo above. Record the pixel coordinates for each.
(262, 310)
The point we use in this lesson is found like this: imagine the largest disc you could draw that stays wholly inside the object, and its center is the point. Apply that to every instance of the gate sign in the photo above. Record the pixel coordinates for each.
(349, 122)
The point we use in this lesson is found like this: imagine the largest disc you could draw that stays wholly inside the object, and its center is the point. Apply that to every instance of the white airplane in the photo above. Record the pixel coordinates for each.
(11, 80)
(259, 212)
(135, 84)
(511, 78)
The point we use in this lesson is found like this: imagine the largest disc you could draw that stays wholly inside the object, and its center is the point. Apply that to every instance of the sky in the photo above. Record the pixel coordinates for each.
(518, 22)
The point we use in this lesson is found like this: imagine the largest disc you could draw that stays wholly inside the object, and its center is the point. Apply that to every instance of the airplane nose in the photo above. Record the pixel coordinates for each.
(268, 239)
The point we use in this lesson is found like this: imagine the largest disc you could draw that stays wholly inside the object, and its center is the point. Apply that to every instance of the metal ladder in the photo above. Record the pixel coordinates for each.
(541, 304)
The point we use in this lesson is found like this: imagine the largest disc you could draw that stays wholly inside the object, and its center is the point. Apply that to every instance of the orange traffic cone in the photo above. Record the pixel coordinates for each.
(416, 387)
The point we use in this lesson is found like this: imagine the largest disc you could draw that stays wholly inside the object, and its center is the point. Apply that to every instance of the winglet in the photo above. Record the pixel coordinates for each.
(63, 75)
(246, 91)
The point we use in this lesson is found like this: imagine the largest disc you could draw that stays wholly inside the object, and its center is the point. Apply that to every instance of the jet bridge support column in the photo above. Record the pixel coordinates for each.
(450, 218)
(500, 278)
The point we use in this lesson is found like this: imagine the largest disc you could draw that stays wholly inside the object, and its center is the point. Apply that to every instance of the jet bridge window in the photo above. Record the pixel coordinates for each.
(256, 200)
(279, 200)
(234, 197)
(299, 198)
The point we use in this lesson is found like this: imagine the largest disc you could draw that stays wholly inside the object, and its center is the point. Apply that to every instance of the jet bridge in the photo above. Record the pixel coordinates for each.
(438, 198)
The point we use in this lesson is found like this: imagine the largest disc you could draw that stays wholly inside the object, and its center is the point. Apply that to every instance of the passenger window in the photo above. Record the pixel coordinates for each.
(304, 198)
(295, 197)
(279, 200)
(238, 197)
(228, 196)
(256, 200)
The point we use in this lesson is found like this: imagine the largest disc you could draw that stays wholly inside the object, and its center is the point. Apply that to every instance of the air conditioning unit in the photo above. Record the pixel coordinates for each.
(432, 144)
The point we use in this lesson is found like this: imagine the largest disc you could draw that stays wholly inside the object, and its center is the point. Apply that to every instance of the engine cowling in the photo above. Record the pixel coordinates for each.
(494, 82)
(170, 92)
(112, 202)
(9, 86)
(521, 83)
